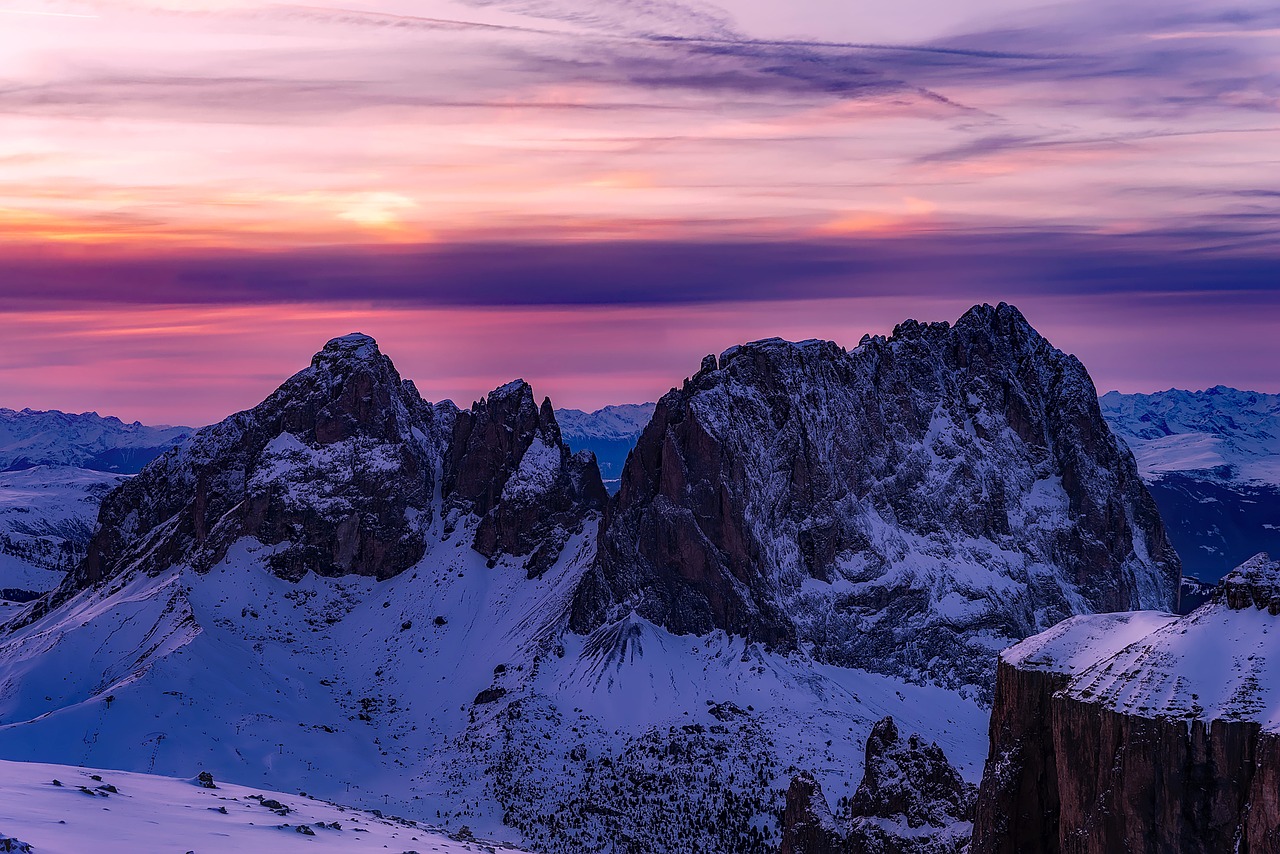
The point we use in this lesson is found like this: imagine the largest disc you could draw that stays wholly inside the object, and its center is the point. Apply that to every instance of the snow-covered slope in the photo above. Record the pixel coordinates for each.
(1217, 663)
(609, 433)
(60, 809)
(245, 612)
(30, 437)
(1212, 462)
(47, 515)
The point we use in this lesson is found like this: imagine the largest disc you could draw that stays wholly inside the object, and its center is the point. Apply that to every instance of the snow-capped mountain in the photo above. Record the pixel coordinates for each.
(910, 506)
(55, 468)
(1212, 462)
(386, 602)
(1142, 731)
(344, 590)
(31, 437)
(56, 809)
(47, 515)
(609, 433)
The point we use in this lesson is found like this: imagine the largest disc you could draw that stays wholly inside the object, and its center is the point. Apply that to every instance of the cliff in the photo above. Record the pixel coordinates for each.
(1141, 732)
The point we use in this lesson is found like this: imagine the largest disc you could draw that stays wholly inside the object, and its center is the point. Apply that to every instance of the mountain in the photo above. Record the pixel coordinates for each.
(353, 592)
(404, 605)
(1212, 462)
(51, 438)
(1141, 732)
(47, 515)
(910, 506)
(609, 433)
(56, 809)
(55, 468)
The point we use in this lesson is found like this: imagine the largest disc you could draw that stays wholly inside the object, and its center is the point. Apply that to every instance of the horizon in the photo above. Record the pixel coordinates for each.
(464, 401)
(596, 195)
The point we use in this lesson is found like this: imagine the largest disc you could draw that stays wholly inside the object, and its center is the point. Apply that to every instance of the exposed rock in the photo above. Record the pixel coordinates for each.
(808, 827)
(508, 465)
(1141, 732)
(911, 801)
(905, 507)
(1253, 584)
(339, 470)
(911, 780)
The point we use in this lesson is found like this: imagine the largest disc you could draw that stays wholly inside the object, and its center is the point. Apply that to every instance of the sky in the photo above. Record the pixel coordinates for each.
(592, 194)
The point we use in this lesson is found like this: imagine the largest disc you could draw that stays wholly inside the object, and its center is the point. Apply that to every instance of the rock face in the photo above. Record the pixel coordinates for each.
(1142, 732)
(345, 470)
(911, 801)
(908, 506)
(508, 465)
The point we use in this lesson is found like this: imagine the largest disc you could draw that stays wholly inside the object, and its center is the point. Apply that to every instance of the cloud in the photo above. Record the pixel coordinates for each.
(1195, 259)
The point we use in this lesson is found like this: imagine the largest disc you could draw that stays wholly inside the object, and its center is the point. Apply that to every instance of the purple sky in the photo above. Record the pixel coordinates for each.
(592, 195)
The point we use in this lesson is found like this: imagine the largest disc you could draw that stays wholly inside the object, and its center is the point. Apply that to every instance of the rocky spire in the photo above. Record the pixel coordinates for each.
(911, 801)
(509, 465)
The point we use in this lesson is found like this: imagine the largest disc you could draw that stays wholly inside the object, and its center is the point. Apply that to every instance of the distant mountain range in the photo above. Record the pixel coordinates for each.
(31, 437)
(609, 433)
(1212, 462)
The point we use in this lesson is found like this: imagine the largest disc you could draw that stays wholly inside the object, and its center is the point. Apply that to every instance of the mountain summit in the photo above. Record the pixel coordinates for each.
(909, 506)
(346, 470)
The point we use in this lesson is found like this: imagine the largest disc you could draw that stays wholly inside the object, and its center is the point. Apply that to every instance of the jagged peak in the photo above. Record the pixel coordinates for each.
(346, 353)
(355, 345)
(515, 388)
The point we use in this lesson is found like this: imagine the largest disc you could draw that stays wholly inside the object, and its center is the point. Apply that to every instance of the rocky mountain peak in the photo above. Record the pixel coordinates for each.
(338, 471)
(893, 507)
(911, 801)
(509, 465)
(911, 779)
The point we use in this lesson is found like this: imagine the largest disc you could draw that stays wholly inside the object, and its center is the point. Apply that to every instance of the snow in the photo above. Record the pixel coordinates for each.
(46, 516)
(153, 813)
(354, 345)
(536, 473)
(1198, 431)
(1216, 663)
(620, 422)
(1080, 642)
(32, 437)
(320, 687)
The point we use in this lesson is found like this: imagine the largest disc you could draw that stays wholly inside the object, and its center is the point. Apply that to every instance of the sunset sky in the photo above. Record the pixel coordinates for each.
(592, 194)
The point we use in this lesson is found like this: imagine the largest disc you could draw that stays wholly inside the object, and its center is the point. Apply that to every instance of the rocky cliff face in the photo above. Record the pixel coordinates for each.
(1143, 732)
(508, 465)
(910, 801)
(345, 470)
(908, 506)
